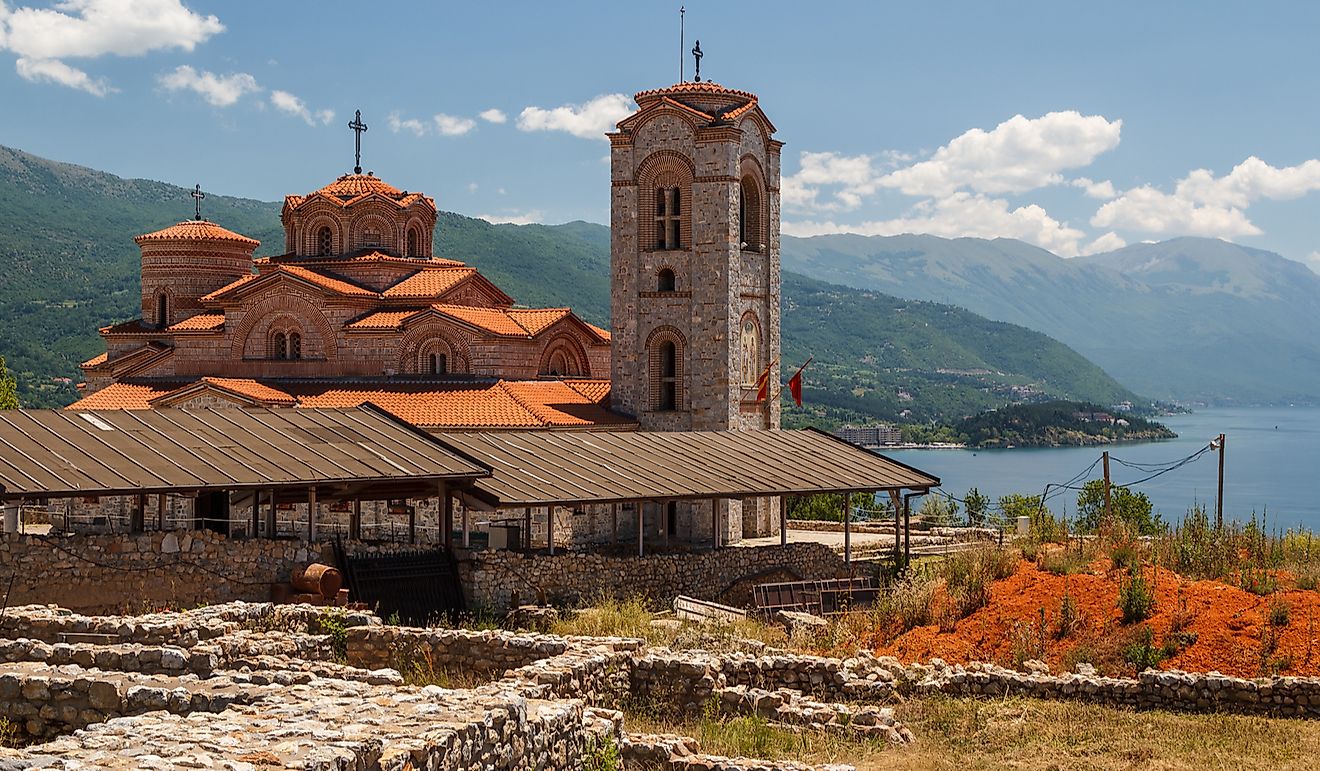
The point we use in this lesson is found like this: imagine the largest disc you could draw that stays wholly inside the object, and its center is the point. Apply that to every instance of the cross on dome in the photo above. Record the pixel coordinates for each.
(198, 195)
(358, 127)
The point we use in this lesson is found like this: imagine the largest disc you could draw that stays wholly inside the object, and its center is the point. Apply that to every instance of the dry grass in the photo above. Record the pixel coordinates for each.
(1015, 733)
(633, 618)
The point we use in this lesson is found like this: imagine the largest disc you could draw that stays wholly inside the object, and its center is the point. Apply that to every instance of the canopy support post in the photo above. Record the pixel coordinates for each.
(161, 522)
(355, 521)
(313, 508)
(783, 520)
(641, 532)
(467, 527)
(550, 528)
(847, 529)
(271, 522)
(447, 516)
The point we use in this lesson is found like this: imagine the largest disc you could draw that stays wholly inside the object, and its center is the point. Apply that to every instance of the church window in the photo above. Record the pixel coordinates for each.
(324, 242)
(665, 280)
(371, 238)
(414, 248)
(749, 215)
(668, 218)
(751, 351)
(295, 345)
(437, 364)
(279, 346)
(162, 310)
(668, 376)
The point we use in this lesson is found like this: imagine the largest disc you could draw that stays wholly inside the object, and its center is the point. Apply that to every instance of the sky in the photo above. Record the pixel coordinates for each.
(1076, 127)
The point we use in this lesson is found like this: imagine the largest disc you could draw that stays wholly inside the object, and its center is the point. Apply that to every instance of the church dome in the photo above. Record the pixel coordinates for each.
(693, 88)
(196, 230)
(351, 186)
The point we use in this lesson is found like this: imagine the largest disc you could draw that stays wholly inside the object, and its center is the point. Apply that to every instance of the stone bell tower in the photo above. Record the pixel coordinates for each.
(695, 265)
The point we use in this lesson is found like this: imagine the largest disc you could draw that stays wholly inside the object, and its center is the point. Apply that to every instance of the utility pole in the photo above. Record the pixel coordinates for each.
(1219, 501)
(1109, 513)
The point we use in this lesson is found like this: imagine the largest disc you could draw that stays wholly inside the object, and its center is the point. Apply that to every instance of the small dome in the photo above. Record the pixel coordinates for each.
(196, 230)
(693, 88)
(351, 186)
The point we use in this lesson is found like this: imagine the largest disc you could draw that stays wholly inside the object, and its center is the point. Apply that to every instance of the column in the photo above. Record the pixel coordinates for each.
(783, 521)
(550, 528)
(446, 513)
(271, 522)
(467, 528)
(614, 512)
(312, 507)
(847, 529)
(355, 521)
(137, 520)
(161, 521)
(641, 531)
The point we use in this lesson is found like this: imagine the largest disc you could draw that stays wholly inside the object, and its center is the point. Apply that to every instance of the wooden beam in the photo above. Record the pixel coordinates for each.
(312, 510)
(467, 527)
(137, 519)
(847, 529)
(783, 520)
(161, 521)
(272, 524)
(355, 521)
(641, 532)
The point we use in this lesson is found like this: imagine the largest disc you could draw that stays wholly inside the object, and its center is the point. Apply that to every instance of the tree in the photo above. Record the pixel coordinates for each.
(8, 388)
(977, 505)
(827, 507)
(938, 510)
(1133, 510)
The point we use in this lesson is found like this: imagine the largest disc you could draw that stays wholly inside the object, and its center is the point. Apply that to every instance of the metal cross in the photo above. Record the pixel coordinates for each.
(358, 127)
(198, 195)
(696, 54)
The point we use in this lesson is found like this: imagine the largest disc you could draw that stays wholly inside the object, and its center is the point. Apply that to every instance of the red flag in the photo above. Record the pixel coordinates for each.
(763, 384)
(795, 387)
(795, 382)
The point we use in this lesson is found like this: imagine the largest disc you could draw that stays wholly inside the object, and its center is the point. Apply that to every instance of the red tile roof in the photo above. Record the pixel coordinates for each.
(705, 87)
(201, 322)
(383, 319)
(196, 230)
(95, 361)
(339, 286)
(352, 187)
(536, 320)
(495, 320)
(429, 284)
(543, 404)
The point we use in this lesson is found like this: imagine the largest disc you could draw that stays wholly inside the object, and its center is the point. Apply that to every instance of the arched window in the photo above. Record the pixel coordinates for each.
(437, 364)
(749, 215)
(324, 242)
(414, 245)
(371, 238)
(162, 310)
(668, 217)
(279, 346)
(668, 377)
(295, 345)
(665, 280)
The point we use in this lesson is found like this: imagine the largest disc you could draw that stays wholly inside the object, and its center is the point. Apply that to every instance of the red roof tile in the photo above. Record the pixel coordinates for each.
(692, 88)
(95, 361)
(496, 320)
(196, 230)
(122, 396)
(336, 285)
(201, 322)
(597, 391)
(535, 320)
(429, 284)
(382, 319)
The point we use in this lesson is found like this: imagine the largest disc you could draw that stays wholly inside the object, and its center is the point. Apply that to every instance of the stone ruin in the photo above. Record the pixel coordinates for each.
(258, 686)
(254, 685)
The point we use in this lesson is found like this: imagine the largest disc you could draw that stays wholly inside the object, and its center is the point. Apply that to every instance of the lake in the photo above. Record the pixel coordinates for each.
(1272, 465)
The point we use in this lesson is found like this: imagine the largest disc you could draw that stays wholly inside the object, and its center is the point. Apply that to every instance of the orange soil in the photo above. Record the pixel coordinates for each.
(1228, 623)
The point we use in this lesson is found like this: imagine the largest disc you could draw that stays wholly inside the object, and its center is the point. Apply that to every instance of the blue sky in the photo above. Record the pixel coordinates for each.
(1075, 127)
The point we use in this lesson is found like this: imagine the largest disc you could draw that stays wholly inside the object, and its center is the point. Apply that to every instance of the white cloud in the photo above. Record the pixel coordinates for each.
(453, 126)
(1149, 210)
(963, 214)
(86, 29)
(493, 115)
(855, 176)
(55, 71)
(531, 217)
(589, 120)
(1103, 190)
(219, 90)
(1106, 243)
(472, 187)
(288, 103)
(1205, 205)
(1018, 155)
(1312, 261)
(398, 124)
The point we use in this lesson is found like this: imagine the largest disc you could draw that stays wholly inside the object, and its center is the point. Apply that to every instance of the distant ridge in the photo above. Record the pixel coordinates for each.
(1193, 319)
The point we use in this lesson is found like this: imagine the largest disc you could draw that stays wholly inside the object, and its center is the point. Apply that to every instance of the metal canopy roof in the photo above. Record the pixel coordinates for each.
(63, 453)
(545, 468)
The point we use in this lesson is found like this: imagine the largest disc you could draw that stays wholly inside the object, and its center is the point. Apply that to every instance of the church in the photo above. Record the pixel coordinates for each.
(356, 308)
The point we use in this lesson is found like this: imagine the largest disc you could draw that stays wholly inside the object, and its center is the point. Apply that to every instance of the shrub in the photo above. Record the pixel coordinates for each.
(1279, 612)
(909, 599)
(1176, 642)
(602, 754)
(968, 576)
(1045, 527)
(334, 623)
(1062, 562)
(1125, 553)
(1130, 510)
(1028, 641)
(977, 506)
(1136, 597)
(1070, 618)
(1258, 581)
(1142, 654)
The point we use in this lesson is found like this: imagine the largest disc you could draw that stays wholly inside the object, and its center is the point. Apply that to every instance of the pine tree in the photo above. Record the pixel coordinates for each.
(8, 388)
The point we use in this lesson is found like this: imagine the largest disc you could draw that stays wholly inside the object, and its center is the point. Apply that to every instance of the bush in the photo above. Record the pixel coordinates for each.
(1258, 581)
(1279, 612)
(978, 506)
(1130, 510)
(1062, 562)
(1136, 597)
(1125, 553)
(334, 622)
(1142, 654)
(968, 576)
(1070, 618)
(602, 754)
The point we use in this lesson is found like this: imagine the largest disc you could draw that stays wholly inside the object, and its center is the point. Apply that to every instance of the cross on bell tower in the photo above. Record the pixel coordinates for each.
(358, 127)
(697, 54)
(198, 195)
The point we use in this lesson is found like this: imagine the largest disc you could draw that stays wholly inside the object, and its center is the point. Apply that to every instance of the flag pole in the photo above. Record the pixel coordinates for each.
(780, 395)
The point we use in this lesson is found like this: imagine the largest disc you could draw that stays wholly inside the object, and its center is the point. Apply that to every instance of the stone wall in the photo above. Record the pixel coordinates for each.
(496, 579)
(112, 573)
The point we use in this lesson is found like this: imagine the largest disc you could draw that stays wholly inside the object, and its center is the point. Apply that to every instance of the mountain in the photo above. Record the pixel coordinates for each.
(1192, 319)
(68, 252)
